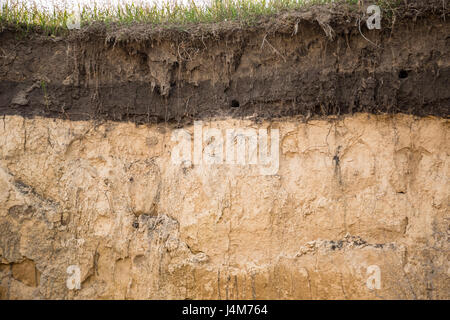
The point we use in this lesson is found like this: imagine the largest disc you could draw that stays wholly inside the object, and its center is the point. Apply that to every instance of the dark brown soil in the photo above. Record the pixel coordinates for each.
(319, 62)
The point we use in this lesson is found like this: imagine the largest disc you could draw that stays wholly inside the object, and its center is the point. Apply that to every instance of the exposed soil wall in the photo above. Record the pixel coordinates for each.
(356, 208)
(364, 191)
(306, 63)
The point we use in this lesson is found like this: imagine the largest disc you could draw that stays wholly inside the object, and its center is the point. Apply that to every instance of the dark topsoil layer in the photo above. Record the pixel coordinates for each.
(316, 62)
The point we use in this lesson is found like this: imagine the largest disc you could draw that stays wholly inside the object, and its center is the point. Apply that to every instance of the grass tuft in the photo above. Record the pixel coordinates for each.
(30, 17)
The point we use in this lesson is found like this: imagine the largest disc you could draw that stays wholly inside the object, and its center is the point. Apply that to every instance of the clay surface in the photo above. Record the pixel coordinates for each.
(349, 194)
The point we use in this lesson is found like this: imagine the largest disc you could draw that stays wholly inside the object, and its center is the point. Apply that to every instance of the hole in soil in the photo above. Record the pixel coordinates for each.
(234, 104)
(403, 74)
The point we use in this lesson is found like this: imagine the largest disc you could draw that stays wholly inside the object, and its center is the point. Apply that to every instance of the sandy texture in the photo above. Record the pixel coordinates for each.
(350, 193)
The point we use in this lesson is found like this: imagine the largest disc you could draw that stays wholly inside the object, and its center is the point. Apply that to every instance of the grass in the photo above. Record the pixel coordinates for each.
(30, 17)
